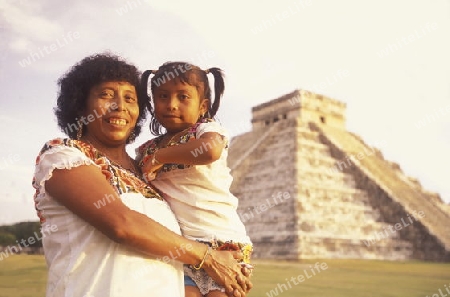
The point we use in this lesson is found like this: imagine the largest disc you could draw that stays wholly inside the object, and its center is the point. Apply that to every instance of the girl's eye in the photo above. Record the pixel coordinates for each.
(183, 96)
(130, 98)
(162, 96)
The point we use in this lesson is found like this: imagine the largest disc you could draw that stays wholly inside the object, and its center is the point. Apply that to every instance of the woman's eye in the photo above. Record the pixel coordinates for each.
(106, 94)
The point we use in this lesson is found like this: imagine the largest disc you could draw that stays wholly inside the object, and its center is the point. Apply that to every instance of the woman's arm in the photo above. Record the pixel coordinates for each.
(80, 187)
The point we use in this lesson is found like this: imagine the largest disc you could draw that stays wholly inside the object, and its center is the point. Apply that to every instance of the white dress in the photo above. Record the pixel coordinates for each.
(82, 262)
(199, 195)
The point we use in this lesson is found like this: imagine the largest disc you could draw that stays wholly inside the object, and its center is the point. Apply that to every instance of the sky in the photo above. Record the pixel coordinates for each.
(387, 60)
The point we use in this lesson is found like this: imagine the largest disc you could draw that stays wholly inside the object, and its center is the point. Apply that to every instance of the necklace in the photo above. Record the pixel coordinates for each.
(131, 166)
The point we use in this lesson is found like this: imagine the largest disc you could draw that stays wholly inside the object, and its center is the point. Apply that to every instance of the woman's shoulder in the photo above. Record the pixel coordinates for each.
(57, 144)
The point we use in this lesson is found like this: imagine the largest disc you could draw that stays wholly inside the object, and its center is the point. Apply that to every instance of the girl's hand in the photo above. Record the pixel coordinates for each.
(223, 267)
(150, 169)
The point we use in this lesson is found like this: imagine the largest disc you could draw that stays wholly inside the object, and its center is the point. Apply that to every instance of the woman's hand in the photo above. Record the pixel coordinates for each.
(223, 267)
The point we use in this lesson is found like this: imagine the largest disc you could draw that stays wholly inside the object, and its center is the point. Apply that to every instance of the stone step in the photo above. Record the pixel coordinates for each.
(260, 230)
(387, 243)
(325, 186)
(363, 230)
(321, 162)
(303, 124)
(281, 165)
(338, 207)
(305, 143)
(307, 135)
(321, 168)
(313, 198)
(348, 248)
(310, 156)
(309, 139)
(309, 150)
(369, 218)
(304, 190)
(314, 173)
(329, 182)
(360, 218)
(335, 198)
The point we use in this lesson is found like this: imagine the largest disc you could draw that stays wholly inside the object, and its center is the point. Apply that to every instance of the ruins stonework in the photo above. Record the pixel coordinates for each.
(308, 188)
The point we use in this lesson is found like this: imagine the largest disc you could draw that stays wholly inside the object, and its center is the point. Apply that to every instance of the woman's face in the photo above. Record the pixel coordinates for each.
(111, 112)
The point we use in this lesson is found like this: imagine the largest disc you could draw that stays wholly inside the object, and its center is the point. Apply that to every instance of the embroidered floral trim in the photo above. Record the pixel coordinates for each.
(123, 181)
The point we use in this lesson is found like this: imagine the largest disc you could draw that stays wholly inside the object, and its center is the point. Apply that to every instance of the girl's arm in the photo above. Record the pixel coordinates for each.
(81, 187)
(203, 150)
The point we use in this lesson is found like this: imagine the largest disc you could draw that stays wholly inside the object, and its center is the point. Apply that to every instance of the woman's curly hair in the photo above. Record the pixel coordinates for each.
(76, 84)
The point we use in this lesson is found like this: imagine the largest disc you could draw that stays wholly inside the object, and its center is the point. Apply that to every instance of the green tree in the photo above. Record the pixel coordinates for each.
(7, 239)
(23, 231)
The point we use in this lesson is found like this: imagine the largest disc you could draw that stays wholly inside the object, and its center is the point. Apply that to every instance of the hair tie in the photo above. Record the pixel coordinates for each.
(207, 71)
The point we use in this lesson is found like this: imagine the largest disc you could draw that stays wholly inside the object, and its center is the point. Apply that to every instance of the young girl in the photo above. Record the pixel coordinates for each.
(187, 164)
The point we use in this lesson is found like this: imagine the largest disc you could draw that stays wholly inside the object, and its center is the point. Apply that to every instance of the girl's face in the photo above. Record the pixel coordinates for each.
(178, 105)
(111, 112)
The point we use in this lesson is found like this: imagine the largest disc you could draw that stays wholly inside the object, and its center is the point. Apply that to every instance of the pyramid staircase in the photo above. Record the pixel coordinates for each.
(433, 242)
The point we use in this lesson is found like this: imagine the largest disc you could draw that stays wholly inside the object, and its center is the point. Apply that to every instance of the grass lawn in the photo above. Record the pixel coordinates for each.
(25, 276)
(350, 278)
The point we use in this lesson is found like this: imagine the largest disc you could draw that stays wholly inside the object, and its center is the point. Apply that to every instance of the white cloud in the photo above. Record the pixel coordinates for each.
(27, 26)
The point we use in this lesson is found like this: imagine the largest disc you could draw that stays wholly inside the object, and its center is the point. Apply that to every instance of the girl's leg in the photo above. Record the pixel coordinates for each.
(215, 293)
(191, 291)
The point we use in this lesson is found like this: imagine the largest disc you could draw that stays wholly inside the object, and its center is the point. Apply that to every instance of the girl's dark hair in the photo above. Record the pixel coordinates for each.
(186, 73)
(76, 84)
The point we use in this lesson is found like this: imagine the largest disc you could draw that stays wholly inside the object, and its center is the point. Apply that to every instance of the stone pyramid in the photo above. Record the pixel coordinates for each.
(308, 188)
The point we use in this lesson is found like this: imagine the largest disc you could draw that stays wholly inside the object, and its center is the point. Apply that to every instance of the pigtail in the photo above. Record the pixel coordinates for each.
(144, 85)
(143, 92)
(154, 125)
(219, 88)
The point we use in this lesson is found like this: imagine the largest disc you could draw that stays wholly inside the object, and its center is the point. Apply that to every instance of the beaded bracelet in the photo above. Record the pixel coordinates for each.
(199, 266)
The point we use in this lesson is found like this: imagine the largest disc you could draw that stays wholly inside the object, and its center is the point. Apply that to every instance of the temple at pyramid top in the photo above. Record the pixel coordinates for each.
(308, 106)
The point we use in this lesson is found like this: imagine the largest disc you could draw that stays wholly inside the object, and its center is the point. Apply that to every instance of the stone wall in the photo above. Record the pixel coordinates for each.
(264, 185)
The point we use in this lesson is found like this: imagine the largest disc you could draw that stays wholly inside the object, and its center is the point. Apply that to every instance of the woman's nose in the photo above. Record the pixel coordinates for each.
(119, 100)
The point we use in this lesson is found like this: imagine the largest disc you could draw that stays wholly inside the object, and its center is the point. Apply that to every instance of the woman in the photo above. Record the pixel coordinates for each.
(113, 234)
